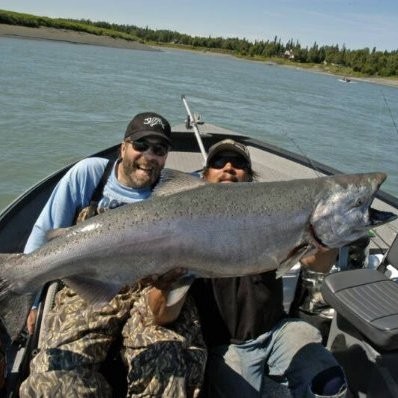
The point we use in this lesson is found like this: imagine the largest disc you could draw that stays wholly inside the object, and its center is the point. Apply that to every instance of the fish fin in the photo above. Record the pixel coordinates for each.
(179, 289)
(174, 181)
(14, 306)
(96, 293)
(14, 309)
(293, 258)
(56, 233)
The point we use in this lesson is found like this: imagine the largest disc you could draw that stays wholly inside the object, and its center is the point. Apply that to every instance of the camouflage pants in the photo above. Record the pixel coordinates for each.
(78, 340)
(164, 362)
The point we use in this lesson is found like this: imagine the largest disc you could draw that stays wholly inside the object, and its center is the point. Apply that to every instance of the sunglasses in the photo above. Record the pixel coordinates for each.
(157, 149)
(237, 162)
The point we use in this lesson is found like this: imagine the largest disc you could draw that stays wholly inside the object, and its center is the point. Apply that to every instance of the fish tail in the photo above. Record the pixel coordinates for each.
(14, 309)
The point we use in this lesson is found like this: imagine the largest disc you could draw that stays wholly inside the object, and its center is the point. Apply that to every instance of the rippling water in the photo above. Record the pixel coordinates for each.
(61, 101)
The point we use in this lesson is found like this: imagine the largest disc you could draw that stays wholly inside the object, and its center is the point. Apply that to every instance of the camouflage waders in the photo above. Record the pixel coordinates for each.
(162, 362)
(76, 344)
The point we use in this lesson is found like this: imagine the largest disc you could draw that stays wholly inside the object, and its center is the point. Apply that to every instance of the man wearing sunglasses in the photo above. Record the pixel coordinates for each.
(228, 161)
(254, 348)
(131, 178)
(78, 338)
(248, 334)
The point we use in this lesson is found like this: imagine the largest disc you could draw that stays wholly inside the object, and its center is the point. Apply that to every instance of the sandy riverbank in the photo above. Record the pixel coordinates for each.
(71, 36)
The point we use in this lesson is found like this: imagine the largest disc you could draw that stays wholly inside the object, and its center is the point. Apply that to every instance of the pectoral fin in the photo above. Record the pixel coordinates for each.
(294, 256)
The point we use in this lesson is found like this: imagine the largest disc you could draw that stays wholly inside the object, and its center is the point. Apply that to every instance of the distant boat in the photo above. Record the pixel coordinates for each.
(345, 80)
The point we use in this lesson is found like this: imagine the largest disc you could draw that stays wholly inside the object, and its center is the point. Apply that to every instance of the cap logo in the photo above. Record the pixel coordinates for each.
(154, 121)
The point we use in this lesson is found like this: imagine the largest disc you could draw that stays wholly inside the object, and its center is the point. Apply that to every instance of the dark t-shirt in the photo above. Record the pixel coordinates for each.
(233, 310)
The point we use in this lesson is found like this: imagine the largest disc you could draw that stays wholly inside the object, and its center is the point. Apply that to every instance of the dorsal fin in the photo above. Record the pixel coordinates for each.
(174, 181)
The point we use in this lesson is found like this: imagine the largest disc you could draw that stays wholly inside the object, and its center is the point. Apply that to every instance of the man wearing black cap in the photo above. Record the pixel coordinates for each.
(254, 348)
(78, 338)
(143, 154)
(228, 161)
(248, 334)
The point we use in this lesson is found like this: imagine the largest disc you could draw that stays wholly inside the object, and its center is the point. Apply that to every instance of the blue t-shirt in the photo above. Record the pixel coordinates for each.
(74, 192)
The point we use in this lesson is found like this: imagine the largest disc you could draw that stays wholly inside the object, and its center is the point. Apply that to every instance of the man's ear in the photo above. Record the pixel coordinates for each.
(122, 149)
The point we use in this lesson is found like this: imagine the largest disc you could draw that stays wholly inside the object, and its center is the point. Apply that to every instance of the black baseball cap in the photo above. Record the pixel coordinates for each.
(148, 124)
(229, 145)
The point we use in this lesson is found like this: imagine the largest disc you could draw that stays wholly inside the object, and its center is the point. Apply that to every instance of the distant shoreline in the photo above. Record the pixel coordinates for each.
(70, 36)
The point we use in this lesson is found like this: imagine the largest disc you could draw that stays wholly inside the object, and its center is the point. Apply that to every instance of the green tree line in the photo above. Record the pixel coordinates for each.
(364, 61)
(16, 18)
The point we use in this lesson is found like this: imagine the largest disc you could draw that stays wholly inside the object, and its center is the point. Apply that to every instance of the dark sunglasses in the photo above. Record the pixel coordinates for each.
(237, 162)
(158, 149)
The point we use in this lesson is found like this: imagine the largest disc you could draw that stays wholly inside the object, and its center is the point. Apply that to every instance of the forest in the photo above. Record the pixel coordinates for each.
(335, 58)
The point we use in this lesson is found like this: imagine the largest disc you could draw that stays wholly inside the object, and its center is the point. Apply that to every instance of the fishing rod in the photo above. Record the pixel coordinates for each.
(316, 170)
(375, 232)
(195, 128)
(390, 112)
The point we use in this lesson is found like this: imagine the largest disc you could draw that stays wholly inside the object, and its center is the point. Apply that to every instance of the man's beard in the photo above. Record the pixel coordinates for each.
(141, 175)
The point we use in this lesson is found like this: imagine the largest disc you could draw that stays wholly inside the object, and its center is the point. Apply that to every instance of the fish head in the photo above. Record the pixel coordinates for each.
(343, 212)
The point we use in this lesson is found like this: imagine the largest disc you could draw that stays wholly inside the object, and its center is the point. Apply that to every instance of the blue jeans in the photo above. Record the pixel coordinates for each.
(281, 362)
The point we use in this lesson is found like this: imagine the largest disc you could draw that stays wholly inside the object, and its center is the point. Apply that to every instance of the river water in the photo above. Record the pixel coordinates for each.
(61, 101)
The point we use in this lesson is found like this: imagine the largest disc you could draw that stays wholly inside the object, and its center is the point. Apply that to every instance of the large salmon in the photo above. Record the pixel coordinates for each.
(213, 230)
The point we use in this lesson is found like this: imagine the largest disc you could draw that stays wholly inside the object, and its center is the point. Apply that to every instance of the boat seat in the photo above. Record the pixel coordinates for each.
(391, 256)
(369, 301)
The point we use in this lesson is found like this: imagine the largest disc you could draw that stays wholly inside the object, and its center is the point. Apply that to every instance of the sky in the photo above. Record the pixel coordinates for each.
(354, 23)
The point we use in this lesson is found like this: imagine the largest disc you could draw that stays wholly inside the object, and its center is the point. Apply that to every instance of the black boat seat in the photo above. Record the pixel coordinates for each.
(391, 257)
(369, 301)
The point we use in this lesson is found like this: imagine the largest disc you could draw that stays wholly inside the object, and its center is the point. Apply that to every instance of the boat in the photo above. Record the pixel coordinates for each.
(366, 346)
(345, 80)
